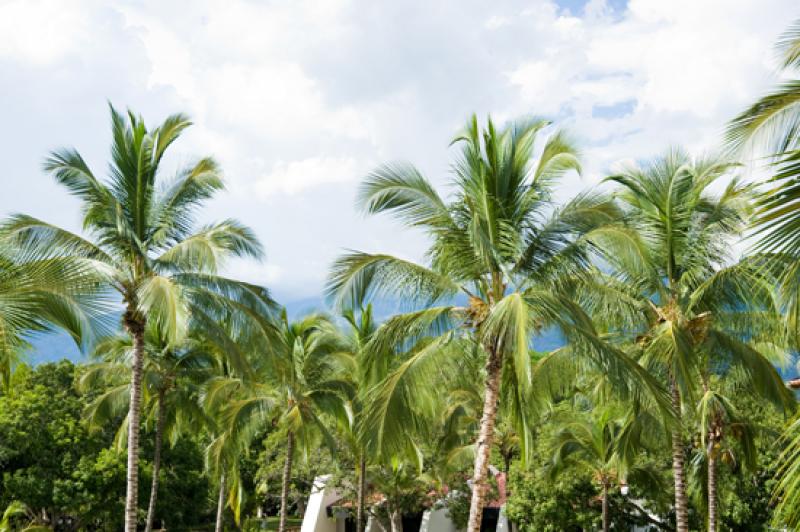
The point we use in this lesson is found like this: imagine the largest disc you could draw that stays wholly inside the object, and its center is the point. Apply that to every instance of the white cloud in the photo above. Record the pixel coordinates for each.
(41, 31)
(539, 82)
(684, 68)
(296, 176)
(298, 99)
(268, 274)
(497, 21)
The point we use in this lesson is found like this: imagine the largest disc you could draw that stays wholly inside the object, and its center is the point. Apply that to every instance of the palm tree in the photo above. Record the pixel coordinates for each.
(770, 126)
(721, 384)
(719, 423)
(17, 516)
(454, 416)
(670, 282)
(142, 240)
(222, 463)
(172, 377)
(367, 369)
(297, 384)
(607, 444)
(501, 243)
(787, 492)
(228, 346)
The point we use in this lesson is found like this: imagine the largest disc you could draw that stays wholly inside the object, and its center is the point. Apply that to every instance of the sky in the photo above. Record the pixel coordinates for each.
(299, 99)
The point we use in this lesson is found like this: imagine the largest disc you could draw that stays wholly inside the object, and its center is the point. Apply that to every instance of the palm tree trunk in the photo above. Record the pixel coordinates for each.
(483, 449)
(151, 508)
(396, 521)
(220, 503)
(681, 500)
(362, 488)
(136, 329)
(287, 475)
(606, 520)
(712, 486)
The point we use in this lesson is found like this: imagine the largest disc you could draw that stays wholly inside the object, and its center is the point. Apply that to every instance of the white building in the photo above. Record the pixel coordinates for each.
(321, 516)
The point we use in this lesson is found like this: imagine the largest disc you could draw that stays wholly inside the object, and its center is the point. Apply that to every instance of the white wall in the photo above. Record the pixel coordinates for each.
(502, 523)
(436, 521)
(316, 518)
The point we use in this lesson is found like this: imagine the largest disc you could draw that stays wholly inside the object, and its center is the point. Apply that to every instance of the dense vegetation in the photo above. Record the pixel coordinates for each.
(207, 406)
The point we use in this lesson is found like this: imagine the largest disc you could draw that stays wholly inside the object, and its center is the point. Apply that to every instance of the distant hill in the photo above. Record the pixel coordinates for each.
(53, 346)
(50, 347)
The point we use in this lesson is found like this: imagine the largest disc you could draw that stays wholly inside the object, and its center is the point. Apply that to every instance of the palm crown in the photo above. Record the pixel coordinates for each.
(141, 229)
(143, 243)
(670, 281)
(296, 383)
(501, 242)
(607, 444)
(691, 300)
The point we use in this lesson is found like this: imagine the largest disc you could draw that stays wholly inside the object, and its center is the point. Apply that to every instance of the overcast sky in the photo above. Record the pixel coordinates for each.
(299, 99)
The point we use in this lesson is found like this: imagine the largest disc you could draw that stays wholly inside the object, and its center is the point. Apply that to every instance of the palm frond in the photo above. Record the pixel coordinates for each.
(396, 408)
(163, 301)
(361, 276)
(206, 250)
(399, 188)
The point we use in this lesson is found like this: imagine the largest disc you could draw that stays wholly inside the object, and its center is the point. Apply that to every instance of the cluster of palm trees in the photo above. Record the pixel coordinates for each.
(657, 315)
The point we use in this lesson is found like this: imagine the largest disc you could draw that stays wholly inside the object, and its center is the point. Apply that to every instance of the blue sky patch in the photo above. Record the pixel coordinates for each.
(615, 110)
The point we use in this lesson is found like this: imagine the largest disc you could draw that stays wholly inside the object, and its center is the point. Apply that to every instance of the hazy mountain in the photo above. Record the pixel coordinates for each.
(54, 346)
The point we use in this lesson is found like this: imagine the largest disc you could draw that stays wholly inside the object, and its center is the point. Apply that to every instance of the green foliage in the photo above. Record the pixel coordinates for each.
(457, 501)
(54, 465)
(565, 504)
(142, 240)
(93, 491)
(267, 478)
(254, 524)
(38, 293)
(747, 500)
(43, 440)
(501, 240)
(186, 496)
(771, 123)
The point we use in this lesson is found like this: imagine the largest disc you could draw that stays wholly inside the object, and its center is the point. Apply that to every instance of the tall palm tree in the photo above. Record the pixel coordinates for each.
(608, 444)
(720, 424)
(229, 346)
(500, 243)
(366, 371)
(670, 281)
(172, 376)
(142, 239)
(222, 463)
(771, 127)
(722, 384)
(297, 383)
